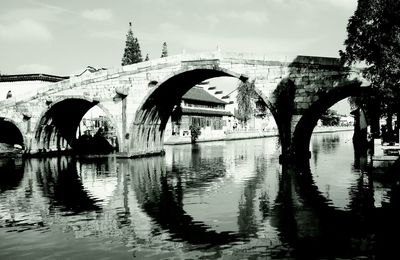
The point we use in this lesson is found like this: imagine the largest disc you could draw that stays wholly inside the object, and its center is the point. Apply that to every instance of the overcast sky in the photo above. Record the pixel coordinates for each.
(63, 37)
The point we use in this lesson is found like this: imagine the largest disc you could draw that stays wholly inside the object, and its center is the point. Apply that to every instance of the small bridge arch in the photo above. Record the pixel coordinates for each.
(11, 132)
(304, 128)
(58, 124)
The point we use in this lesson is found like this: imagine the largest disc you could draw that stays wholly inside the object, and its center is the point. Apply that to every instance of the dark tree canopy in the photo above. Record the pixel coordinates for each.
(374, 39)
(132, 53)
(330, 118)
(164, 52)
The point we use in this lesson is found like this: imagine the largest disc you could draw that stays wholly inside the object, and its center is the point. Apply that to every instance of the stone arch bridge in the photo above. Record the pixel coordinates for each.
(139, 98)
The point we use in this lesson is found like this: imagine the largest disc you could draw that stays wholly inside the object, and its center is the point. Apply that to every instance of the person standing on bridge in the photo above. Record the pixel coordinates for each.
(9, 94)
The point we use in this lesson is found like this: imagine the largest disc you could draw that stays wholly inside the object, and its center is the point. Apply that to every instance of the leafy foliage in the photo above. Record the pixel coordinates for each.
(132, 53)
(330, 118)
(246, 93)
(261, 110)
(164, 52)
(195, 132)
(374, 39)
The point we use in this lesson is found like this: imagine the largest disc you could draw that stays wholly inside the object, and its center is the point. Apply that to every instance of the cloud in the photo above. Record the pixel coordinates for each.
(251, 17)
(114, 35)
(346, 4)
(43, 14)
(169, 27)
(98, 14)
(34, 68)
(26, 29)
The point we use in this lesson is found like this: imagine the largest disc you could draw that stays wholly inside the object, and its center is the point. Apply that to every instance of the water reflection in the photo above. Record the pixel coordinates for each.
(351, 225)
(161, 197)
(212, 200)
(12, 173)
(58, 180)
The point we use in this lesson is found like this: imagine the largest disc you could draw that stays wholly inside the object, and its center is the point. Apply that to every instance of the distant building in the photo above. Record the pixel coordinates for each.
(20, 84)
(257, 122)
(346, 121)
(200, 108)
(90, 126)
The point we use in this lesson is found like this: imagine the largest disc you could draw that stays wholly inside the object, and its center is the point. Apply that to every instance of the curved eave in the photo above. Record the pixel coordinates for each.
(205, 112)
(31, 77)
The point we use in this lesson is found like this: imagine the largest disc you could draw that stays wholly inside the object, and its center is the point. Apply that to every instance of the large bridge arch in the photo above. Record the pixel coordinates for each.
(305, 126)
(11, 132)
(60, 121)
(147, 130)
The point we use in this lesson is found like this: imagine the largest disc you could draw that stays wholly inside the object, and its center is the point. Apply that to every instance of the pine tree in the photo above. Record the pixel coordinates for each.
(164, 52)
(132, 53)
(147, 57)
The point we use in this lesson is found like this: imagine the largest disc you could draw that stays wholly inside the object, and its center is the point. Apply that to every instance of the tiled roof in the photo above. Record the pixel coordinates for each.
(199, 94)
(199, 111)
(31, 77)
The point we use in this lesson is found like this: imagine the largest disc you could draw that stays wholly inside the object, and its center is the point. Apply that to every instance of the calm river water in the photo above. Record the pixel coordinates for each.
(219, 200)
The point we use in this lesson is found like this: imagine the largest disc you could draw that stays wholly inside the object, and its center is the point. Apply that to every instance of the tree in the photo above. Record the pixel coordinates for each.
(330, 118)
(132, 53)
(195, 132)
(164, 52)
(246, 93)
(374, 39)
(147, 57)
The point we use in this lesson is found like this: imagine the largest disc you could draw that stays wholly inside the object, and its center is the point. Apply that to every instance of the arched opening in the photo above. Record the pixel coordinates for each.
(147, 131)
(64, 126)
(309, 120)
(335, 154)
(11, 137)
(96, 133)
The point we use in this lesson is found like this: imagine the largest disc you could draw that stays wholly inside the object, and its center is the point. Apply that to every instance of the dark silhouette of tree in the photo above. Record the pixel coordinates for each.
(374, 39)
(330, 118)
(132, 53)
(147, 57)
(195, 132)
(164, 52)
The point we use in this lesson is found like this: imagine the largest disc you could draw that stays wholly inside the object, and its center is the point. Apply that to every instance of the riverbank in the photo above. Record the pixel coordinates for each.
(7, 150)
(250, 134)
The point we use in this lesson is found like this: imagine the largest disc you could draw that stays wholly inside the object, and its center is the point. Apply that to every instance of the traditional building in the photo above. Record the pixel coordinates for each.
(199, 108)
(21, 84)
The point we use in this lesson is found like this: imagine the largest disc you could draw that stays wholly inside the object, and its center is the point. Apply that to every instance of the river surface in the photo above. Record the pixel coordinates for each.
(216, 200)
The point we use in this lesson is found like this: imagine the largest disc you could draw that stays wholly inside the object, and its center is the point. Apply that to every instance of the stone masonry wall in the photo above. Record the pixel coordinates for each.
(310, 75)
